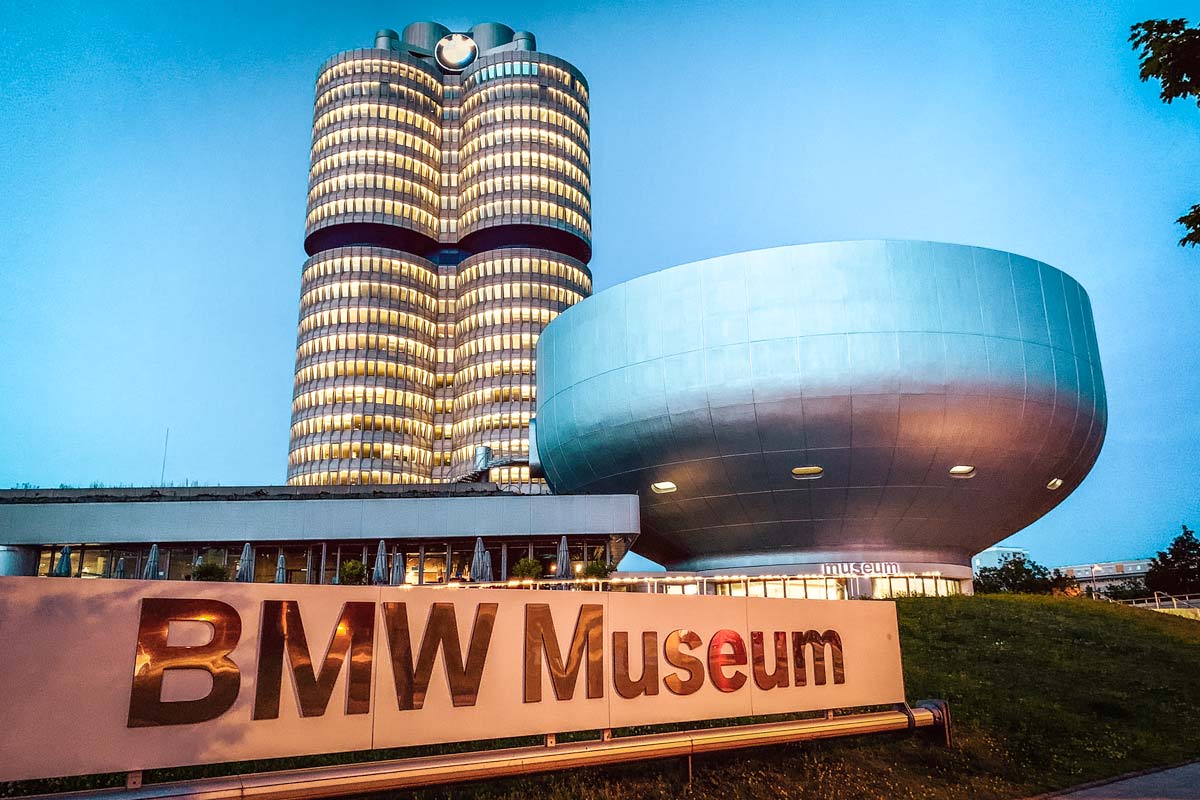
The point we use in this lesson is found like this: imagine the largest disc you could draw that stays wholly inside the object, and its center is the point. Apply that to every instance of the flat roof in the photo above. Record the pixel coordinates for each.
(127, 494)
(287, 513)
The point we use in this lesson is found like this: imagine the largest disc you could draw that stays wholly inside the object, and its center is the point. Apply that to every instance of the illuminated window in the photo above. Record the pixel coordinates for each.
(663, 487)
(962, 471)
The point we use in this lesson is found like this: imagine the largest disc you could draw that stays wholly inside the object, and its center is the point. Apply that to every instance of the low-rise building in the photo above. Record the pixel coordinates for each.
(429, 533)
(995, 556)
(1102, 575)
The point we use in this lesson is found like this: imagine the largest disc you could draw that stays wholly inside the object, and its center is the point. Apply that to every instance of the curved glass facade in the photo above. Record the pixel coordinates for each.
(525, 139)
(448, 222)
(850, 408)
(505, 298)
(377, 152)
(363, 405)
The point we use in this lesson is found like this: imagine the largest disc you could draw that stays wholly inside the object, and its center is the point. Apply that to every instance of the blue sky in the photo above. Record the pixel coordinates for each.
(153, 170)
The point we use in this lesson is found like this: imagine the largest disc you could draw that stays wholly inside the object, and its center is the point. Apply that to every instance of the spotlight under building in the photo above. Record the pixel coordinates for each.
(448, 223)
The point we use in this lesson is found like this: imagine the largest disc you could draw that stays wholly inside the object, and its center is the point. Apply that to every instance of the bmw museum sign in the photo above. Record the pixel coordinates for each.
(114, 676)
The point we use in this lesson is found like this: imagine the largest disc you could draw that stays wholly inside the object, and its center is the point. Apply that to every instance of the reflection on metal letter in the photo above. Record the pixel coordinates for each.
(718, 660)
(441, 630)
(283, 630)
(677, 658)
(778, 676)
(154, 657)
(817, 642)
(541, 638)
(648, 682)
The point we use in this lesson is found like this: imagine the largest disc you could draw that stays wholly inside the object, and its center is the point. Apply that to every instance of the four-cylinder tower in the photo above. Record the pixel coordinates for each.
(449, 221)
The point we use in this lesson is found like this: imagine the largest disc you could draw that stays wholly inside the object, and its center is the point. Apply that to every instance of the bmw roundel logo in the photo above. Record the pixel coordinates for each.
(455, 52)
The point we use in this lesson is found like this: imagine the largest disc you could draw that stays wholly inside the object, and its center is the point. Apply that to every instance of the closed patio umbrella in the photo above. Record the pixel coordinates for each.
(564, 560)
(150, 573)
(397, 567)
(379, 575)
(119, 570)
(281, 570)
(62, 567)
(245, 570)
(481, 563)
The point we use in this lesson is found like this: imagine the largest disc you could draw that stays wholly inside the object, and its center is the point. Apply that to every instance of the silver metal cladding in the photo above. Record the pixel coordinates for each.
(885, 364)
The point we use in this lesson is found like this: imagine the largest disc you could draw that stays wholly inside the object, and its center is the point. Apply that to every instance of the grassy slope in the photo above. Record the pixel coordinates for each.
(1045, 692)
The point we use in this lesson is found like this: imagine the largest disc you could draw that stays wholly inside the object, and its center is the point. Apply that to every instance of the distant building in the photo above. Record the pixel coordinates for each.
(995, 556)
(1100, 575)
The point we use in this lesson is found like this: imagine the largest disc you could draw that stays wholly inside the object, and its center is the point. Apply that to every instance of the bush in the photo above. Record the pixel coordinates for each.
(527, 568)
(352, 573)
(598, 569)
(210, 571)
(1128, 589)
(1020, 575)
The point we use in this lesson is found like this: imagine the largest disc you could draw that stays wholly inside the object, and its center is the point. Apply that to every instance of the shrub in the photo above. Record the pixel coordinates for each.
(527, 568)
(1128, 589)
(1019, 574)
(597, 569)
(352, 573)
(209, 571)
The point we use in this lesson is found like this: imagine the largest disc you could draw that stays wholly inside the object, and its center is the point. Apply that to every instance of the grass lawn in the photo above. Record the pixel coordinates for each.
(1045, 692)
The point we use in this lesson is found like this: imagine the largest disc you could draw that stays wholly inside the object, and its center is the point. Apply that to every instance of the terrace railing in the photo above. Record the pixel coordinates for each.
(1164, 600)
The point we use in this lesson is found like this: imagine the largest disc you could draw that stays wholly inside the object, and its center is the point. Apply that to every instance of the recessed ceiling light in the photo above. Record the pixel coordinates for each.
(962, 471)
(807, 473)
(663, 487)
(1055, 483)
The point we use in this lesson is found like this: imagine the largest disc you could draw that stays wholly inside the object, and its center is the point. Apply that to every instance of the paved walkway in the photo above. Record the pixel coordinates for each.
(1180, 783)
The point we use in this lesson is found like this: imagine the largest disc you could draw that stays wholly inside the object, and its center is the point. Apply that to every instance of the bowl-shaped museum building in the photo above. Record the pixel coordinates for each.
(880, 410)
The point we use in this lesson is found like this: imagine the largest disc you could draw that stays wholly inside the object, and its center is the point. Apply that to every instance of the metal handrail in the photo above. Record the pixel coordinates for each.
(551, 582)
(1188, 600)
(411, 773)
(655, 584)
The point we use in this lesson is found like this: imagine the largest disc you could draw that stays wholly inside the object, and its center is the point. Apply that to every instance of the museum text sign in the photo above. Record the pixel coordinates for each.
(101, 676)
(860, 568)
